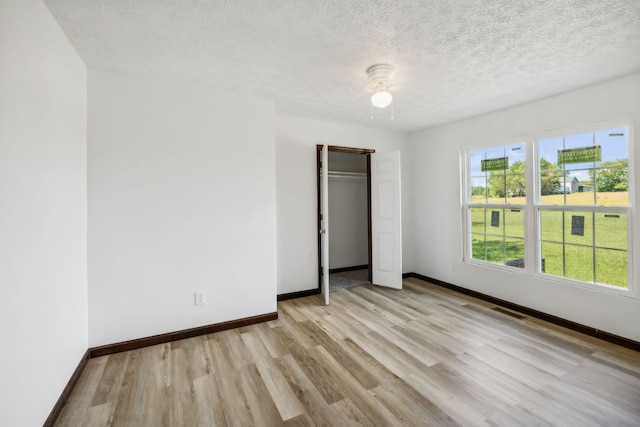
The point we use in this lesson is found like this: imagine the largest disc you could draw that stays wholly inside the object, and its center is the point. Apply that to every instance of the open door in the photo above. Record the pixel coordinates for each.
(384, 212)
(324, 221)
(386, 216)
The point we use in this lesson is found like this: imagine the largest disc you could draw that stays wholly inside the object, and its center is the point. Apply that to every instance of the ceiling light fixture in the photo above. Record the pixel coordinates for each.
(380, 81)
(381, 99)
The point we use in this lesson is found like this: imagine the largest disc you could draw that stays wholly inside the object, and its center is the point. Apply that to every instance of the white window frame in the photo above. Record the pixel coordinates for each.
(467, 205)
(532, 206)
(628, 210)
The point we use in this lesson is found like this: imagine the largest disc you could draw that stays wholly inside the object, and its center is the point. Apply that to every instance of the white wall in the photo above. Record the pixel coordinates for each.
(436, 174)
(348, 231)
(181, 199)
(296, 140)
(43, 212)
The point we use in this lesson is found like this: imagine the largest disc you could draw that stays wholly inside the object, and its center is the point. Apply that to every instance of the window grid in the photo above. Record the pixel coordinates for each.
(498, 190)
(568, 206)
(585, 261)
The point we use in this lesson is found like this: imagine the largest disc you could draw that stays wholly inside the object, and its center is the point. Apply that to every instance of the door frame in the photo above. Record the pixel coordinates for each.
(340, 149)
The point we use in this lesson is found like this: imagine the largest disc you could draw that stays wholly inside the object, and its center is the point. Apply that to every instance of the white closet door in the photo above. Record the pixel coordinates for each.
(386, 218)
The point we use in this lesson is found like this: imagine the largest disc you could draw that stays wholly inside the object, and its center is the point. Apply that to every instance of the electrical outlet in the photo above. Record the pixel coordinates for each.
(199, 298)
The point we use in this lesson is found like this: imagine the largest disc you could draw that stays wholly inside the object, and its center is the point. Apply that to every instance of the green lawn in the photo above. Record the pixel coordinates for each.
(618, 198)
(597, 253)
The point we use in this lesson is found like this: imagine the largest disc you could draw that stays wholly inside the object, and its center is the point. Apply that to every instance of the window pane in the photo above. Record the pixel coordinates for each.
(583, 140)
(478, 247)
(550, 177)
(497, 185)
(578, 140)
(495, 152)
(514, 252)
(477, 220)
(579, 263)
(611, 229)
(516, 172)
(607, 177)
(495, 218)
(479, 190)
(514, 222)
(495, 249)
(611, 267)
(612, 184)
(516, 189)
(548, 152)
(515, 153)
(612, 174)
(578, 228)
(552, 258)
(475, 162)
(585, 184)
(578, 236)
(551, 188)
(551, 225)
(613, 143)
(503, 181)
(578, 188)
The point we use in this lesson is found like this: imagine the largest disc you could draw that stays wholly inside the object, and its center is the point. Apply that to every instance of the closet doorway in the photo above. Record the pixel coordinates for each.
(354, 246)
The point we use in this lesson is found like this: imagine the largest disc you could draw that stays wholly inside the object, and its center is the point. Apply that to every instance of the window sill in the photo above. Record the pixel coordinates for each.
(594, 287)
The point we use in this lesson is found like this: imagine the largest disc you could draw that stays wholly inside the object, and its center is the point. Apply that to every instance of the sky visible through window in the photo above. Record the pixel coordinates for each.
(613, 143)
(515, 153)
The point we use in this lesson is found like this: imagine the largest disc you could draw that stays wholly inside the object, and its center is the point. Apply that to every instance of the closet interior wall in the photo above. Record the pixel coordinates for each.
(348, 216)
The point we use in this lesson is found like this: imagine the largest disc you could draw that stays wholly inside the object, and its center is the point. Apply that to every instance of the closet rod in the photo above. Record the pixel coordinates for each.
(354, 175)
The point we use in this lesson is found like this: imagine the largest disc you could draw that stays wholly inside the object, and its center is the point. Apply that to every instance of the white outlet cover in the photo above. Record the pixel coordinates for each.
(199, 298)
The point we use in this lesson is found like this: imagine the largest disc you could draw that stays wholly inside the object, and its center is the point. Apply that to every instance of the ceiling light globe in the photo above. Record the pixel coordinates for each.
(381, 99)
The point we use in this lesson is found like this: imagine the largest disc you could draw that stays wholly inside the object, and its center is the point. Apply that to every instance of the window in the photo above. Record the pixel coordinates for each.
(567, 214)
(582, 204)
(496, 203)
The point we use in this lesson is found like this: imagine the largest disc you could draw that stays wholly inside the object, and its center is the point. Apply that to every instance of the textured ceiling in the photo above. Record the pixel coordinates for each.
(453, 59)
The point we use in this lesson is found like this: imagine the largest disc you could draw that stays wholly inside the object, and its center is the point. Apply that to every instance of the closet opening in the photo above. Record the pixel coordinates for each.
(349, 207)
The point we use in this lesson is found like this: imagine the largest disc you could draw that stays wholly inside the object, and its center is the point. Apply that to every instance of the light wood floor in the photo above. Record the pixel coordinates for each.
(421, 356)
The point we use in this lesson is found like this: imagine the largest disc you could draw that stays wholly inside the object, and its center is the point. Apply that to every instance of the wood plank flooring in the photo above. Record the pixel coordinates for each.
(422, 356)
